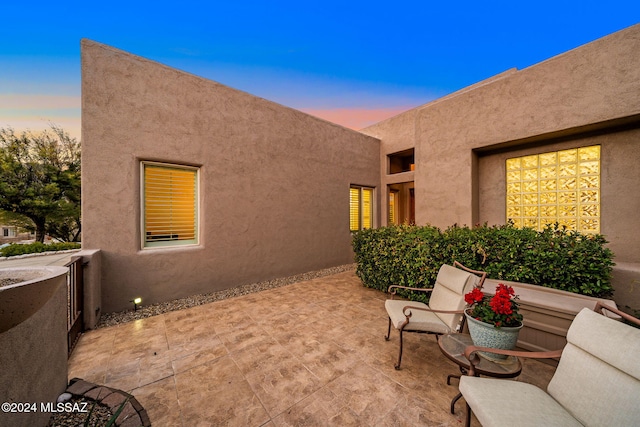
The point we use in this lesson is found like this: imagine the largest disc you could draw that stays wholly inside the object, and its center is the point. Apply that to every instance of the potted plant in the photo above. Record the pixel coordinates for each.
(493, 320)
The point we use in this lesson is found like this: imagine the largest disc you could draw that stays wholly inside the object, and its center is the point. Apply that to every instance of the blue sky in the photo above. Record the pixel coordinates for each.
(351, 62)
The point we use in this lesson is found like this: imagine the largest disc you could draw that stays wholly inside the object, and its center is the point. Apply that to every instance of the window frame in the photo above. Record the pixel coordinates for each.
(564, 193)
(162, 244)
(361, 189)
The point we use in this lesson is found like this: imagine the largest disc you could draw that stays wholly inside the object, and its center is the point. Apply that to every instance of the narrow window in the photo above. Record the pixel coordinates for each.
(169, 205)
(393, 207)
(360, 208)
(560, 186)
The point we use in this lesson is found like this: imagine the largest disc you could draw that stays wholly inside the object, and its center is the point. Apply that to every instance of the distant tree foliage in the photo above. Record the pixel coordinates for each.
(40, 180)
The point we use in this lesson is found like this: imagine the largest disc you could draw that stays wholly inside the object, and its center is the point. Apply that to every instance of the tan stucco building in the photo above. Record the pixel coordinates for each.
(273, 188)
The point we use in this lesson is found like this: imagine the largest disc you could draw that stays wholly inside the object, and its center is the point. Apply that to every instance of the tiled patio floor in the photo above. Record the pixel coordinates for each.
(308, 354)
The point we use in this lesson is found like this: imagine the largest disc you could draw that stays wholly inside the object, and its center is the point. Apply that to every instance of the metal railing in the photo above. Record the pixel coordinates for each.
(75, 301)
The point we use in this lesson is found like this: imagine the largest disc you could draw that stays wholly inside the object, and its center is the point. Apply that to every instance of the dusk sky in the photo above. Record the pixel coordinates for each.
(350, 62)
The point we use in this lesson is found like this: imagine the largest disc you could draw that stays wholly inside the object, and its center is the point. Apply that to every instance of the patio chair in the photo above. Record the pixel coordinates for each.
(444, 314)
(596, 383)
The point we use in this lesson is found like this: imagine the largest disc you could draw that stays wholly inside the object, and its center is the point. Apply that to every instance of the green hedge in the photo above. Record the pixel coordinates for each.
(37, 247)
(555, 257)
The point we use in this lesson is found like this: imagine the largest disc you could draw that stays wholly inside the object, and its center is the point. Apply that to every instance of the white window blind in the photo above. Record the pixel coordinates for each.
(170, 205)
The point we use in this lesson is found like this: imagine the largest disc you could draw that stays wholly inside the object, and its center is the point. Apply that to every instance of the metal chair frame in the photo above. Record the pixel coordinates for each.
(408, 313)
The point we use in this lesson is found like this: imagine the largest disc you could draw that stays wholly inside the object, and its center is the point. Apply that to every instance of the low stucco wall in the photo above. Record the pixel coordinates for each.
(274, 182)
(34, 359)
(626, 283)
(547, 313)
(92, 291)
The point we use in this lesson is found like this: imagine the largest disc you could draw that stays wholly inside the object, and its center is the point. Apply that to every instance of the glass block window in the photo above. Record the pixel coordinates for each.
(561, 186)
(360, 208)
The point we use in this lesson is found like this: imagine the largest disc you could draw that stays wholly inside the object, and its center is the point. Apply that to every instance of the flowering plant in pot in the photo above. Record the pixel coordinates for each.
(498, 310)
(493, 321)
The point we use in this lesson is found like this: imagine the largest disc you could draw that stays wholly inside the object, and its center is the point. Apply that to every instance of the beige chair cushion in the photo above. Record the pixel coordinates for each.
(448, 293)
(420, 320)
(596, 382)
(599, 369)
(500, 403)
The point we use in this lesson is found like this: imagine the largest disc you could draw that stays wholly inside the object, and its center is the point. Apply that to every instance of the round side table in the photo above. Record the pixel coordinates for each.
(453, 345)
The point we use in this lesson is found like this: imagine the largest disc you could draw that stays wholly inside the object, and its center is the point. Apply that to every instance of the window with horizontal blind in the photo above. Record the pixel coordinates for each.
(360, 208)
(169, 205)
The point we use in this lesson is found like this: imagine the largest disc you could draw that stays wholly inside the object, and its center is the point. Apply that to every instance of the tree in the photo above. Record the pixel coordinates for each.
(40, 180)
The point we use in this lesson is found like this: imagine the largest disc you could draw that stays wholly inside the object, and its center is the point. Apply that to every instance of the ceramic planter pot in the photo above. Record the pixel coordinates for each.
(487, 335)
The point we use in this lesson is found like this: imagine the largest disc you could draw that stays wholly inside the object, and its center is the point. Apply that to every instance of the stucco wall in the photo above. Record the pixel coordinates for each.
(34, 356)
(620, 152)
(588, 95)
(274, 182)
(594, 83)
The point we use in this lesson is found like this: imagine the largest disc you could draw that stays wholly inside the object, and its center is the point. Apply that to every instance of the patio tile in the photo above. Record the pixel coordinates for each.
(362, 396)
(281, 385)
(196, 353)
(277, 323)
(216, 393)
(262, 356)
(128, 375)
(160, 400)
(311, 353)
(325, 359)
(246, 334)
(91, 355)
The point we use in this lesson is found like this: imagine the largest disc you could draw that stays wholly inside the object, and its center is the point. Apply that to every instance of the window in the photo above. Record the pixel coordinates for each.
(360, 208)
(561, 186)
(169, 205)
(402, 205)
(402, 161)
(393, 207)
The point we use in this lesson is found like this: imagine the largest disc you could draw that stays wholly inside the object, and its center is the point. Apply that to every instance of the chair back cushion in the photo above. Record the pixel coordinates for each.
(448, 292)
(598, 377)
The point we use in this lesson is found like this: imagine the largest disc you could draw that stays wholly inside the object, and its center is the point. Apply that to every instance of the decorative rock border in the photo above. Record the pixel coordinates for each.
(116, 318)
(133, 414)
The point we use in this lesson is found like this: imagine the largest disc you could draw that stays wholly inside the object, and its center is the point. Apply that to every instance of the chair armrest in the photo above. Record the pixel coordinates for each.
(470, 352)
(395, 287)
(428, 309)
(409, 313)
(599, 307)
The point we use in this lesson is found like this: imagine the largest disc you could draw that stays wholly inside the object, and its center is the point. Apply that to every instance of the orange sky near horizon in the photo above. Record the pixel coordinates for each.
(36, 113)
(355, 118)
(349, 63)
(31, 112)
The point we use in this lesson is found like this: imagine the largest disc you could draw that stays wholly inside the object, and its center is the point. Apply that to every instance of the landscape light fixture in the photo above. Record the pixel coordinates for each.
(136, 301)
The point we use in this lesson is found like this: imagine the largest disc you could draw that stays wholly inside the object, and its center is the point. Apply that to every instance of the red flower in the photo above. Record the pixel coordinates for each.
(505, 291)
(474, 296)
(500, 310)
(500, 304)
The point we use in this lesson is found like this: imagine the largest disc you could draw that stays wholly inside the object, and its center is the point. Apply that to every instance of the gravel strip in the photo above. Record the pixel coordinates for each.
(111, 319)
(98, 415)
(9, 281)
